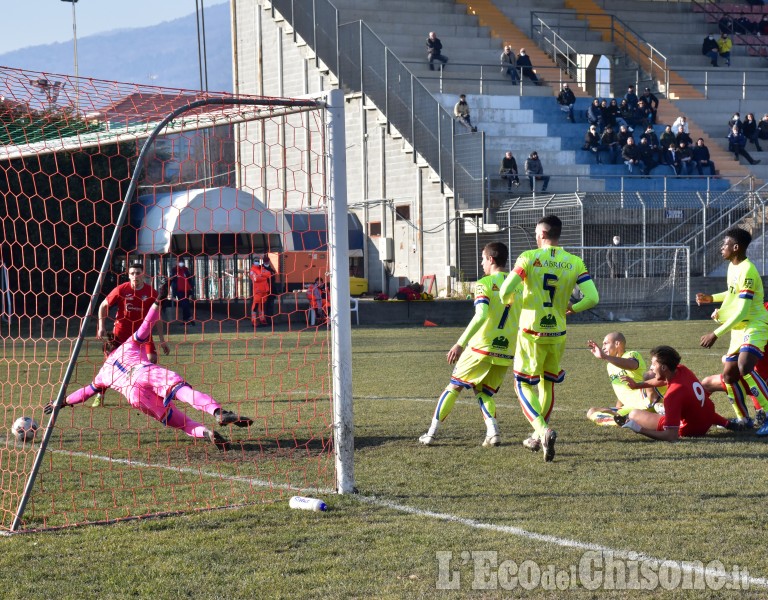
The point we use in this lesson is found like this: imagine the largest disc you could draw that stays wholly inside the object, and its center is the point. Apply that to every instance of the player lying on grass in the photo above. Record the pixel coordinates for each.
(490, 339)
(688, 410)
(623, 363)
(743, 314)
(151, 388)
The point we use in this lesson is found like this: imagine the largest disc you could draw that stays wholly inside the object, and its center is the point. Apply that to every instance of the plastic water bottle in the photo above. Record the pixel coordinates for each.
(305, 503)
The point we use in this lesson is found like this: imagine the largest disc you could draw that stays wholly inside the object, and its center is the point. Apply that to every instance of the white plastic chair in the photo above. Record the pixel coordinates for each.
(353, 308)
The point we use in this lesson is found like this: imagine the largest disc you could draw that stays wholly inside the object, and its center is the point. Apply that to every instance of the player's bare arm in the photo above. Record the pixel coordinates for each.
(703, 299)
(101, 330)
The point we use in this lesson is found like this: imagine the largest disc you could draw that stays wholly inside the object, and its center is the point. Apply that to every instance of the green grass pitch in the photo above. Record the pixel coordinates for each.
(696, 500)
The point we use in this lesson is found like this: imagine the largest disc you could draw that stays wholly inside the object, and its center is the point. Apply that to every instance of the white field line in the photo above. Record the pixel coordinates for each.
(682, 566)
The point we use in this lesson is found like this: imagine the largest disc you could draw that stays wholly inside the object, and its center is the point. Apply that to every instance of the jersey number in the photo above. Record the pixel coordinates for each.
(699, 392)
(549, 286)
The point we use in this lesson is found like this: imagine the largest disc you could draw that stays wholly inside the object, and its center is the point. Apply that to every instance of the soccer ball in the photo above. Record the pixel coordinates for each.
(24, 429)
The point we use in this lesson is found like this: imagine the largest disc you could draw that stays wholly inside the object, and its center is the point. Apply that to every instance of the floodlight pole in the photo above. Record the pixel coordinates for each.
(74, 35)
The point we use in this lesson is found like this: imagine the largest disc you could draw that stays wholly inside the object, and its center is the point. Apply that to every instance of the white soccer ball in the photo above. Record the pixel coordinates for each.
(24, 429)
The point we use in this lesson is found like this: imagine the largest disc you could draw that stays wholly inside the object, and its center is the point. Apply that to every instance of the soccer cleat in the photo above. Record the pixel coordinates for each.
(759, 418)
(492, 440)
(98, 400)
(533, 444)
(226, 417)
(763, 430)
(740, 424)
(426, 439)
(548, 444)
(620, 419)
(215, 438)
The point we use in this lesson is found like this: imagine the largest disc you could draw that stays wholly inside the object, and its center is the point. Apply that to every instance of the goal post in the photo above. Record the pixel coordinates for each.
(179, 202)
(644, 282)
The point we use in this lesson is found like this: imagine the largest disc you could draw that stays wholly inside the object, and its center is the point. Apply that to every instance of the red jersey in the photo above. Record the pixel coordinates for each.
(183, 285)
(132, 307)
(687, 405)
(261, 277)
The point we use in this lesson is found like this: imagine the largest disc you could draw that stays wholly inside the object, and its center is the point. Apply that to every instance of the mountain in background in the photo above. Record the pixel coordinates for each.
(164, 54)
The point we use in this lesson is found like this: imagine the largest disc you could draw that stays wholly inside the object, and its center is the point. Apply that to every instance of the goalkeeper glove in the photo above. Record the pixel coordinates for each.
(633, 425)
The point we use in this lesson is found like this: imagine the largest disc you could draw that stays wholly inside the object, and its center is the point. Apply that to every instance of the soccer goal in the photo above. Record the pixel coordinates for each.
(639, 282)
(197, 188)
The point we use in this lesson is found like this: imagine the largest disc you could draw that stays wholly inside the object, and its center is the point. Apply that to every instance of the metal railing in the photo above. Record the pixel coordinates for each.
(363, 63)
(709, 7)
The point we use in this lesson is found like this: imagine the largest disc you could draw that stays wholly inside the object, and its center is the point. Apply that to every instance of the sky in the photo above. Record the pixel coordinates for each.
(33, 22)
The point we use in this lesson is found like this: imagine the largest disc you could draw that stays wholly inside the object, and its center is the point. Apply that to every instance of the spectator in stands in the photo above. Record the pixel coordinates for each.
(627, 112)
(648, 154)
(710, 49)
(672, 158)
(681, 121)
(762, 128)
(762, 26)
(725, 24)
(737, 143)
(610, 141)
(508, 170)
(701, 158)
(615, 115)
(566, 99)
(667, 138)
(686, 159)
(615, 259)
(595, 115)
(435, 50)
(631, 97)
(509, 65)
(592, 142)
(651, 103)
(641, 115)
(724, 45)
(535, 172)
(633, 158)
(461, 113)
(653, 142)
(682, 137)
(623, 135)
(749, 129)
(526, 67)
(735, 120)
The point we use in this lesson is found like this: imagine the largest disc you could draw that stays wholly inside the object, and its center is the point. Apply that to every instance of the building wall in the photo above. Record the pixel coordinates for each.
(379, 165)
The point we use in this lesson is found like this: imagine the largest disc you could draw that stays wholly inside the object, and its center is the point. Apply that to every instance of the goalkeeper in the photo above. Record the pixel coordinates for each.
(490, 337)
(621, 363)
(151, 388)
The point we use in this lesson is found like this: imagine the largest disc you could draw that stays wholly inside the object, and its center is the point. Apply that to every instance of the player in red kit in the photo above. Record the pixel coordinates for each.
(261, 278)
(133, 300)
(688, 410)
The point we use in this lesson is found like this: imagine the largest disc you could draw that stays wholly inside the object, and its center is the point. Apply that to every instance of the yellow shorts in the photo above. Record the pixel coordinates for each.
(471, 371)
(536, 359)
(750, 339)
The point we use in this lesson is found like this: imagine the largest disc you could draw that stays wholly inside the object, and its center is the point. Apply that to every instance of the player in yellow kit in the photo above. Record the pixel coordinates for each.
(549, 275)
(743, 314)
(622, 363)
(485, 350)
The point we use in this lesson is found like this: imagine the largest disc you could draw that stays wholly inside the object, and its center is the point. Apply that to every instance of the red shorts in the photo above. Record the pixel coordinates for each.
(123, 332)
(690, 428)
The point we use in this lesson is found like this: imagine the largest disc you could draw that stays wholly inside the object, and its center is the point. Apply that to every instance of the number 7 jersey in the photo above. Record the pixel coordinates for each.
(549, 276)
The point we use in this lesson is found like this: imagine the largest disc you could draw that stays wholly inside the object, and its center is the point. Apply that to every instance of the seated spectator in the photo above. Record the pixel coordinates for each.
(681, 121)
(508, 170)
(623, 135)
(461, 113)
(700, 156)
(737, 143)
(762, 128)
(435, 50)
(566, 99)
(725, 24)
(672, 158)
(735, 120)
(749, 129)
(686, 159)
(610, 141)
(592, 142)
(595, 115)
(652, 141)
(631, 97)
(642, 115)
(724, 45)
(682, 137)
(526, 67)
(648, 155)
(762, 26)
(535, 171)
(666, 138)
(615, 115)
(509, 65)
(633, 158)
(709, 48)
(609, 117)
(627, 113)
(651, 103)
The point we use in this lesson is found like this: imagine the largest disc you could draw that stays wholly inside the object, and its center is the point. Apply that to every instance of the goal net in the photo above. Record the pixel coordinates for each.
(225, 185)
(639, 282)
